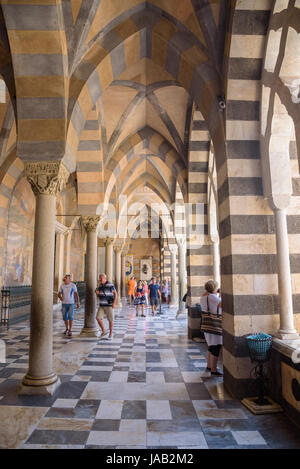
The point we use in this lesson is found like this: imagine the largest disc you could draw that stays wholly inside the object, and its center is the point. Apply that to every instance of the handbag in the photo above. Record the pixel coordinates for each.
(211, 322)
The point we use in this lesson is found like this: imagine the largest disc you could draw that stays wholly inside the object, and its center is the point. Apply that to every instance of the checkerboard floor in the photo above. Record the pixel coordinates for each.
(145, 389)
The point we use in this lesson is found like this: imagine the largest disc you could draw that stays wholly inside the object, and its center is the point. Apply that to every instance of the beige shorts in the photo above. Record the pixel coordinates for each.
(105, 311)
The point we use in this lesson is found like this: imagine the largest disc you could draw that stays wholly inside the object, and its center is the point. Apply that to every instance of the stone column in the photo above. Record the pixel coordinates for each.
(287, 329)
(46, 180)
(90, 328)
(174, 291)
(216, 261)
(182, 275)
(68, 251)
(123, 273)
(118, 250)
(108, 242)
(59, 263)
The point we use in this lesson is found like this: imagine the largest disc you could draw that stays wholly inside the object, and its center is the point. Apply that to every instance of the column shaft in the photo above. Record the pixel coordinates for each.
(109, 260)
(174, 291)
(216, 262)
(123, 276)
(287, 329)
(182, 277)
(118, 276)
(40, 372)
(91, 282)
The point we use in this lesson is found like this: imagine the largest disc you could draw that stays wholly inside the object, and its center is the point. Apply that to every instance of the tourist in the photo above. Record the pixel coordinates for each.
(107, 296)
(67, 293)
(164, 292)
(140, 299)
(146, 290)
(169, 291)
(131, 288)
(155, 294)
(211, 302)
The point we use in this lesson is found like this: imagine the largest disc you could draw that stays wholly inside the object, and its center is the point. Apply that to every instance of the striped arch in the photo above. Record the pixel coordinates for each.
(149, 144)
(193, 72)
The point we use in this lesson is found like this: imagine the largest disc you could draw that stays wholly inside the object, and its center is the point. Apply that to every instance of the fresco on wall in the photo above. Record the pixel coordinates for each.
(20, 236)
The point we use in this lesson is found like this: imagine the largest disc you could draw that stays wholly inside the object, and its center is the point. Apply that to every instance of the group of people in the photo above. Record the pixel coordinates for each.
(140, 292)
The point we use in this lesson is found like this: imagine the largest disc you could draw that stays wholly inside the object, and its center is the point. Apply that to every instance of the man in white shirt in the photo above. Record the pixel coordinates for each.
(67, 294)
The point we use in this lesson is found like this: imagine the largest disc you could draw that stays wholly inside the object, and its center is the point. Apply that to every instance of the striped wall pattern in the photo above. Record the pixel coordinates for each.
(246, 222)
(199, 259)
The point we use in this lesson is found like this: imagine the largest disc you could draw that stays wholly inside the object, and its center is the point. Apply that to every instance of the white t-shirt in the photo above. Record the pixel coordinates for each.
(213, 301)
(67, 292)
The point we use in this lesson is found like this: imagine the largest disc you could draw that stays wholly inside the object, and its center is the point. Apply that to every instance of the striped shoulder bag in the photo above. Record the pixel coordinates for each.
(211, 322)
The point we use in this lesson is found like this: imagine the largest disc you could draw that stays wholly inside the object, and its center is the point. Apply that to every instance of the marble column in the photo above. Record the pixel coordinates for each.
(90, 328)
(108, 242)
(46, 180)
(216, 261)
(182, 275)
(118, 250)
(174, 292)
(123, 272)
(287, 329)
(59, 263)
(68, 251)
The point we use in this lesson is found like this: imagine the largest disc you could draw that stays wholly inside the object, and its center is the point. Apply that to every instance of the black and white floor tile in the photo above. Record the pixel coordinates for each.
(147, 388)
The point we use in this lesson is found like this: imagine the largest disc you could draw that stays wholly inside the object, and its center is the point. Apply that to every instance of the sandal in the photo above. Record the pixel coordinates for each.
(66, 331)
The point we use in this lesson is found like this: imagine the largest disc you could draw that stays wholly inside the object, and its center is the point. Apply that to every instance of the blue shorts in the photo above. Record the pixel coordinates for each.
(68, 312)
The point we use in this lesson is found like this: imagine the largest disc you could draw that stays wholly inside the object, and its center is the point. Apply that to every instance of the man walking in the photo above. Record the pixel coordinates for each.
(107, 296)
(154, 291)
(66, 294)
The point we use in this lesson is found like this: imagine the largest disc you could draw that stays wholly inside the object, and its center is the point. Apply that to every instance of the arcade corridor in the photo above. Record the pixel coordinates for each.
(146, 389)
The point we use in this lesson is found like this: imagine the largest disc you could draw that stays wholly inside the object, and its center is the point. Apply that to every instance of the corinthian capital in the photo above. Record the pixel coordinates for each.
(107, 241)
(46, 177)
(90, 223)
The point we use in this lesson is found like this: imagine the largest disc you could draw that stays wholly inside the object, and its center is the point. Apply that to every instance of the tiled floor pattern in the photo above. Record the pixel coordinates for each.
(145, 389)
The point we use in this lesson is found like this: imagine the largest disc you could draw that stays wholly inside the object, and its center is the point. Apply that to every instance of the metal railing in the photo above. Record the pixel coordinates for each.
(15, 304)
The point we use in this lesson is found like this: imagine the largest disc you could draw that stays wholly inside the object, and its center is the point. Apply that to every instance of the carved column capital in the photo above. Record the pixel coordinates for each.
(108, 241)
(46, 177)
(173, 248)
(90, 222)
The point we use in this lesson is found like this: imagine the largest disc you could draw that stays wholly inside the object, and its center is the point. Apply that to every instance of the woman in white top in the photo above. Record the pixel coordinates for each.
(214, 341)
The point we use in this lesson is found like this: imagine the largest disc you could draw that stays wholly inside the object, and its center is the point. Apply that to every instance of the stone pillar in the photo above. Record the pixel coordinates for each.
(182, 275)
(123, 273)
(287, 329)
(174, 291)
(90, 224)
(118, 250)
(68, 252)
(216, 261)
(109, 258)
(46, 180)
(59, 263)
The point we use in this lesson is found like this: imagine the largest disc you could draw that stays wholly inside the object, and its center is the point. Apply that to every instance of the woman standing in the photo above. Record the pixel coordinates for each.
(164, 292)
(131, 287)
(140, 299)
(211, 303)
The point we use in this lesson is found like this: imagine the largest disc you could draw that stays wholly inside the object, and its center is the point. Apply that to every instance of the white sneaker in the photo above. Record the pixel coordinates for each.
(110, 337)
(103, 335)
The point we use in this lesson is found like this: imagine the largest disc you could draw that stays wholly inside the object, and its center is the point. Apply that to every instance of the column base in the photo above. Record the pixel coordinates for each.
(181, 311)
(285, 335)
(39, 386)
(90, 331)
(173, 303)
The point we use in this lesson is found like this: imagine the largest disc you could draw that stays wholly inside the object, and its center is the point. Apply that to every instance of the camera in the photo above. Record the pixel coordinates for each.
(221, 102)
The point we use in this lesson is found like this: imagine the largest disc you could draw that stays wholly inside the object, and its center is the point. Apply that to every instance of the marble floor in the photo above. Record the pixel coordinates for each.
(145, 389)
